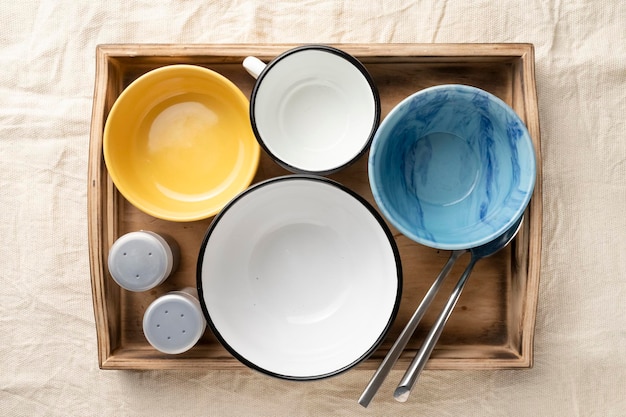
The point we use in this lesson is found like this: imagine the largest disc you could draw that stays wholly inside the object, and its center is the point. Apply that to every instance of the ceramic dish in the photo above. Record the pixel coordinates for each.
(178, 143)
(452, 167)
(299, 277)
(314, 108)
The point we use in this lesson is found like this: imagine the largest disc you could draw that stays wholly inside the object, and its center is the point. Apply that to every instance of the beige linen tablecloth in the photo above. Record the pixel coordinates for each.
(48, 360)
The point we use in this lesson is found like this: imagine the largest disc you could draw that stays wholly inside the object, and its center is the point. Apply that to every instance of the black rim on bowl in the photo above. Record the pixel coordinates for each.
(392, 245)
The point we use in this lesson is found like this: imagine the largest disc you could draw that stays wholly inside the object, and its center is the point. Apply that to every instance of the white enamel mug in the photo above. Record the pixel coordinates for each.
(314, 109)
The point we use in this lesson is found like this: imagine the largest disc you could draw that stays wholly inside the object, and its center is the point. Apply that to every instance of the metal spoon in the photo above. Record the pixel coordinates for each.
(394, 353)
(410, 377)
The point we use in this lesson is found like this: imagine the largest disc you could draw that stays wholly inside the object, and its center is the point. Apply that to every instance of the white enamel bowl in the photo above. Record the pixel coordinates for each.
(299, 277)
(314, 109)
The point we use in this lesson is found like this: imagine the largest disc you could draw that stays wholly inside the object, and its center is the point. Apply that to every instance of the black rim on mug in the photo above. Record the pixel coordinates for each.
(352, 60)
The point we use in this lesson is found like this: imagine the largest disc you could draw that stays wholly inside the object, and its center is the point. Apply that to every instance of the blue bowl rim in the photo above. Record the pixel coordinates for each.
(375, 186)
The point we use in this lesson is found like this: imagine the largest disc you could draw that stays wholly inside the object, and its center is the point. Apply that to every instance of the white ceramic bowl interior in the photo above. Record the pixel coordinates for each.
(315, 110)
(299, 278)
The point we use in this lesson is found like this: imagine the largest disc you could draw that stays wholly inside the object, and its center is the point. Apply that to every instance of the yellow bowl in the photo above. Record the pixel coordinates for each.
(178, 143)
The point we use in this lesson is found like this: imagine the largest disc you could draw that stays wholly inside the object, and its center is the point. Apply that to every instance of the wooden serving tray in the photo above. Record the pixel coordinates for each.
(493, 323)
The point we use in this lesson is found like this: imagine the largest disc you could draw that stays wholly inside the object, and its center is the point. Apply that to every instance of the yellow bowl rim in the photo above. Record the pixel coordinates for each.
(118, 181)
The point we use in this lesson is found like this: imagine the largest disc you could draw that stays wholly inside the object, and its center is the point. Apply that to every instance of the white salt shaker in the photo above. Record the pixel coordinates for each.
(174, 322)
(139, 261)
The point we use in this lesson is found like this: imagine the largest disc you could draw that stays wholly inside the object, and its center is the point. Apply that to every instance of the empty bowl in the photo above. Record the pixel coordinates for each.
(314, 108)
(299, 277)
(178, 143)
(452, 167)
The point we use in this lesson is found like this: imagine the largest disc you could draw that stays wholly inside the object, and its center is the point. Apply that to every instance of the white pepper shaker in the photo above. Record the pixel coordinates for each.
(174, 322)
(139, 261)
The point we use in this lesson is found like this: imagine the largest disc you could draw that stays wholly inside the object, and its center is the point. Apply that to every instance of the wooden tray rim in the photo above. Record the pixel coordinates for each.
(446, 53)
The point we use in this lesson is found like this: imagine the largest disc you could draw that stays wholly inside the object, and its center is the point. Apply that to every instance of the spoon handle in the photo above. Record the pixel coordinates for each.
(403, 390)
(400, 343)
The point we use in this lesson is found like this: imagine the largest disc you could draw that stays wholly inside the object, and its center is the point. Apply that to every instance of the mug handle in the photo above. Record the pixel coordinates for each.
(254, 66)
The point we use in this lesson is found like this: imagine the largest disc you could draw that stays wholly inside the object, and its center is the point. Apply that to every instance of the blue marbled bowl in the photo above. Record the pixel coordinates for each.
(452, 167)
